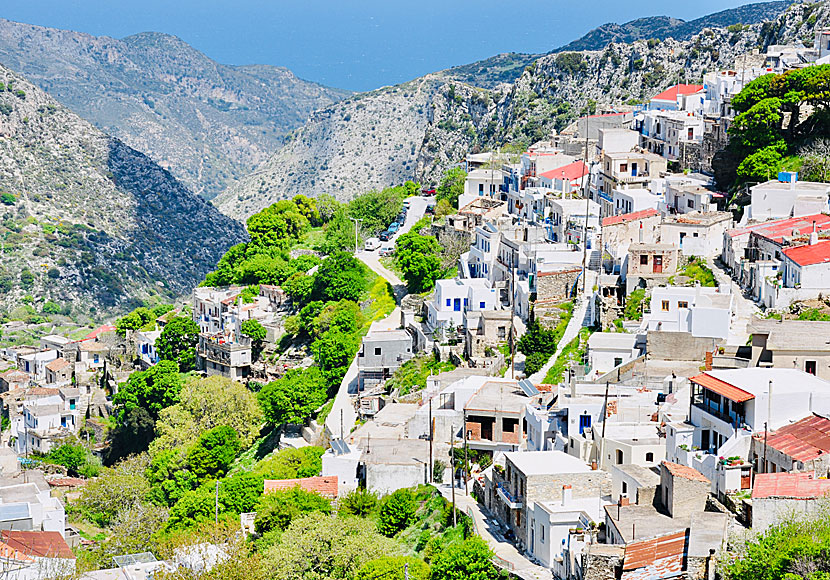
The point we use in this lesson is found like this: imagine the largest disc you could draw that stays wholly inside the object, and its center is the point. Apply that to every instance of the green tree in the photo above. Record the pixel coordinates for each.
(153, 390)
(299, 288)
(377, 209)
(359, 502)
(257, 333)
(169, 477)
(134, 430)
(451, 186)
(417, 257)
(75, 458)
(291, 464)
(293, 397)
(277, 225)
(115, 489)
(537, 339)
(321, 547)
(396, 512)
(178, 341)
(467, 560)
(7, 198)
(214, 452)
(761, 165)
(334, 352)
(339, 277)
(135, 320)
(394, 568)
(278, 509)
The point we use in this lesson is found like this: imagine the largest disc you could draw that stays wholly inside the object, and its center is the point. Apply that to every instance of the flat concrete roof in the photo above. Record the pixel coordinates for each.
(612, 340)
(755, 380)
(396, 452)
(546, 462)
(633, 522)
(498, 395)
(794, 334)
(643, 475)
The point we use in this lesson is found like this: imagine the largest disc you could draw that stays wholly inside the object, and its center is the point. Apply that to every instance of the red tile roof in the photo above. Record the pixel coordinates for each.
(665, 551)
(808, 255)
(776, 230)
(58, 364)
(803, 440)
(672, 93)
(100, 330)
(629, 217)
(722, 388)
(9, 554)
(572, 171)
(789, 486)
(684, 472)
(324, 485)
(68, 482)
(38, 544)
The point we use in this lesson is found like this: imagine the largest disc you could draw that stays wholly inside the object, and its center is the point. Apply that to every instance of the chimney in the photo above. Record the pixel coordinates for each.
(624, 501)
(641, 232)
(814, 235)
(566, 495)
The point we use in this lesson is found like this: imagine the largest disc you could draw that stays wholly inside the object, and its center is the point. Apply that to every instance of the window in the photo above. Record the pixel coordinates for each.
(623, 167)
(542, 534)
(810, 367)
(71, 404)
(502, 332)
(617, 361)
(481, 305)
(449, 302)
(644, 260)
(691, 133)
(619, 456)
(480, 188)
(465, 303)
(650, 457)
(665, 305)
(690, 203)
(456, 304)
(624, 487)
(695, 235)
(377, 351)
(682, 304)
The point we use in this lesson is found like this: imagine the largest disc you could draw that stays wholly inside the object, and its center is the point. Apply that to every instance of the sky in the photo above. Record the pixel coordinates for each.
(353, 44)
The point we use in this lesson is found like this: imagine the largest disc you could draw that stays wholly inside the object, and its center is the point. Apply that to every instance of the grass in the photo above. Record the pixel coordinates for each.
(412, 375)
(697, 271)
(325, 410)
(311, 239)
(814, 314)
(573, 351)
(260, 449)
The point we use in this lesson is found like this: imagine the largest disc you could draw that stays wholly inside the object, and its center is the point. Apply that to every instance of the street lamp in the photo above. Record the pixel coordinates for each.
(355, 220)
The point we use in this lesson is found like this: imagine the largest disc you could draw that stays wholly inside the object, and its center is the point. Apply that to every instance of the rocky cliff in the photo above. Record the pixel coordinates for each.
(206, 122)
(418, 129)
(88, 221)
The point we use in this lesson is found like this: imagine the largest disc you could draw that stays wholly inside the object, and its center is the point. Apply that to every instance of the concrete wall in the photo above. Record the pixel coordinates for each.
(771, 511)
(682, 497)
(678, 345)
(383, 479)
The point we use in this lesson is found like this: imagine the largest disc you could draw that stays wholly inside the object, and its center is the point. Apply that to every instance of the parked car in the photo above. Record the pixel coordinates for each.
(430, 210)
(428, 192)
(386, 251)
(371, 244)
(393, 227)
(402, 219)
(384, 236)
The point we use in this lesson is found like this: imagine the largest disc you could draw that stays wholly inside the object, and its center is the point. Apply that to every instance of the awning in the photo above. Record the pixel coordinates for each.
(722, 388)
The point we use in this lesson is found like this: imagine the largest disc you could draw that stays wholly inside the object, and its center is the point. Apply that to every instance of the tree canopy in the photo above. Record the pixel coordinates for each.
(417, 257)
(340, 277)
(451, 186)
(294, 397)
(153, 390)
(178, 342)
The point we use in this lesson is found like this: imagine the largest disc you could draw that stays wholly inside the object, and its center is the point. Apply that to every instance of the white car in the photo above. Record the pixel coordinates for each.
(371, 244)
(387, 250)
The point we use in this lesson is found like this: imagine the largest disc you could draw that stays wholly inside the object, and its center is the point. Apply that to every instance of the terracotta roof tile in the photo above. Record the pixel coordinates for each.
(58, 364)
(68, 482)
(7, 553)
(569, 172)
(629, 217)
(324, 485)
(722, 388)
(672, 93)
(38, 544)
(100, 330)
(789, 486)
(651, 551)
(684, 472)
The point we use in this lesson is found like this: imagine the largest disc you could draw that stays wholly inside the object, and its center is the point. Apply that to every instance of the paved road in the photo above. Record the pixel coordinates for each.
(574, 325)
(745, 308)
(342, 411)
(491, 531)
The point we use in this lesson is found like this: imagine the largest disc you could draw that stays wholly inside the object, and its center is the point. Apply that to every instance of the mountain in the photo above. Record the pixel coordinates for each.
(88, 221)
(418, 129)
(662, 27)
(206, 122)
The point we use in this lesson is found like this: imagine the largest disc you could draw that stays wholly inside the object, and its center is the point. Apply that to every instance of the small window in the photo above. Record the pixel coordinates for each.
(695, 235)
(619, 456)
(682, 304)
(623, 167)
(449, 302)
(481, 305)
(644, 260)
(665, 305)
(377, 351)
(690, 203)
(617, 361)
(650, 457)
(624, 487)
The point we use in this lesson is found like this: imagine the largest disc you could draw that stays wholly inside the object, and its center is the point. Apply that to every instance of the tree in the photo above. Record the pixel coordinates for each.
(451, 186)
(321, 547)
(299, 288)
(116, 489)
(257, 333)
(417, 257)
(293, 397)
(537, 339)
(340, 277)
(394, 568)
(377, 209)
(467, 560)
(153, 390)
(132, 434)
(327, 206)
(816, 158)
(535, 361)
(178, 341)
(206, 403)
(134, 528)
(396, 512)
(334, 352)
(214, 452)
(75, 458)
(359, 502)
(277, 226)
(135, 320)
(762, 165)
(291, 463)
(277, 509)
(169, 477)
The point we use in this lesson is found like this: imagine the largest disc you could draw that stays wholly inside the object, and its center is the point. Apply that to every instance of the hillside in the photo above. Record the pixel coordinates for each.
(662, 27)
(88, 221)
(206, 122)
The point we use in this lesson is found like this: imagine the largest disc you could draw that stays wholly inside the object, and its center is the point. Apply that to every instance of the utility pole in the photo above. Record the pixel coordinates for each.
(355, 220)
(452, 470)
(216, 507)
(466, 463)
(431, 432)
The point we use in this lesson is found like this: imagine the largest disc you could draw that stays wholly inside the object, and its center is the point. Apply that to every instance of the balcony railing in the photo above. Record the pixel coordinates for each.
(732, 418)
(512, 502)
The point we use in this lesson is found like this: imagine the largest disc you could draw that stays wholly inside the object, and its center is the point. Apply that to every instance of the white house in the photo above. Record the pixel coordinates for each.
(787, 197)
(567, 214)
(482, 182)
(680, 97)
(608, 350)
(615, 140)
(34, 363)
(687, 195)
(48, 414)
(566, 179)
(146, 346)
(453, 297)
(700, 311)
(697, 234)
(635, 199)
(807, 267)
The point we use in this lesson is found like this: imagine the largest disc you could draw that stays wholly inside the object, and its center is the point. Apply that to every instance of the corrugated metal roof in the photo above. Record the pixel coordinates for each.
(722, 388)
(643, 553)
(776, 230)
(808, 255)
(804, 440)
(789, 486)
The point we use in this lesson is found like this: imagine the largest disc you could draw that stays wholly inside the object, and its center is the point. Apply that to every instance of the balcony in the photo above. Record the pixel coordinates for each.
(732, 419)
(513, 503)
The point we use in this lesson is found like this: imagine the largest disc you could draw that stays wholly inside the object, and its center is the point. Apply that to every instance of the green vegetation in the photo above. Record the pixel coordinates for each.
(396, 512)
(141, 318)
(178, 341)
(574, 351)
(814, 314)
(634, 305)
(412, 375)
(539, 339)
(76, 458)
(697, 271)
(451, 186)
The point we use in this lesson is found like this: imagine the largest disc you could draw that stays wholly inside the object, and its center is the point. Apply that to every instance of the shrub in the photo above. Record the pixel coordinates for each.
(396, 513)
(359, 502)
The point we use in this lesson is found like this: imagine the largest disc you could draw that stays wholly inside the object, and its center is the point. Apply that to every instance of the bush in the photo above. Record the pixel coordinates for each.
(8, 199)
(278, 509)
(394, 568)
(359, 502)
(396, 512)
(535, 361)
(214, 452)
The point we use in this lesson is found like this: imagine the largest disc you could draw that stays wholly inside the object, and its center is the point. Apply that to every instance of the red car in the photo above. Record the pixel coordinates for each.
(428, 192)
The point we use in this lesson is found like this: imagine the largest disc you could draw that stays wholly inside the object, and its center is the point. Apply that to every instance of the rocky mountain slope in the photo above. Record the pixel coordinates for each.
(206, 122)
(418, 129)
(88, 221)
(662, 27)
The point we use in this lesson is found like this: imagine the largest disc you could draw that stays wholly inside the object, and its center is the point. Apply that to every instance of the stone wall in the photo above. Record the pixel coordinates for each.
(556, 286)
(665, 345)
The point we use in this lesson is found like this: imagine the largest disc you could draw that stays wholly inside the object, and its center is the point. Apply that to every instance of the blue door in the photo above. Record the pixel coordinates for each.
(456, 304)
(584, 423)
